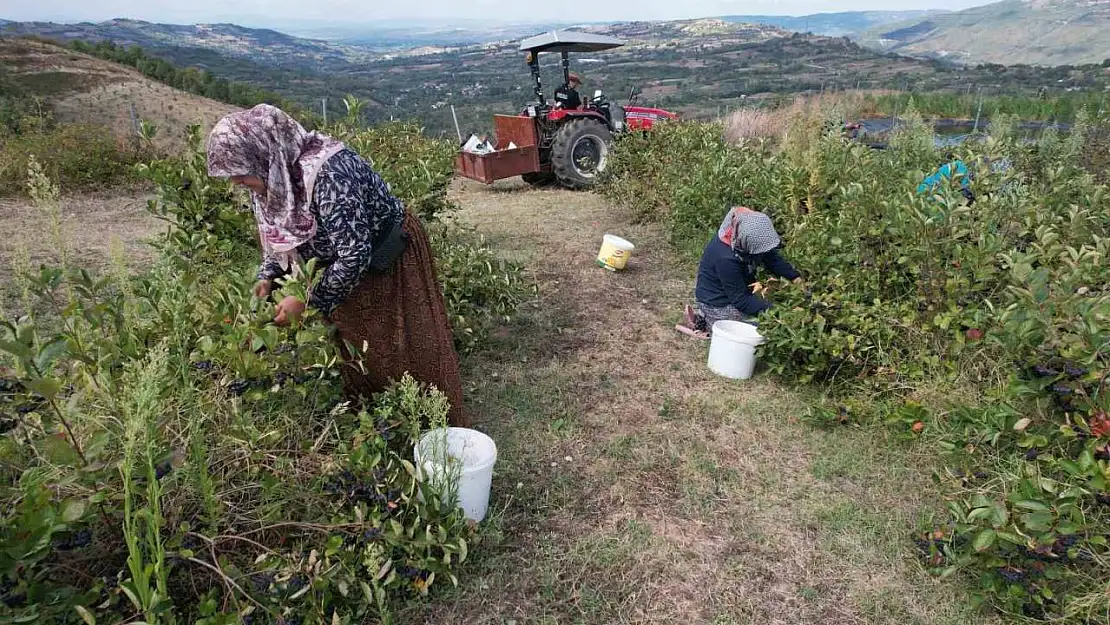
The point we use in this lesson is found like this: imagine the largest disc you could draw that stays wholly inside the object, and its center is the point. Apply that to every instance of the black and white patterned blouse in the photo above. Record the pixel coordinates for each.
(352, 205)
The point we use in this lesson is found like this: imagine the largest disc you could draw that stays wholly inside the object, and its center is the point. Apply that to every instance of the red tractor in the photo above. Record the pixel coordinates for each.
(546, 143)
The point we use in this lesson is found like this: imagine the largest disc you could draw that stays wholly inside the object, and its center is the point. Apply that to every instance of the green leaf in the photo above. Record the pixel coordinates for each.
(50, 353)
(1037, 521)
(1001, 516)
(1028, 504)
(86, 616)
(58, 450)
(382, 572)
(47, 387)
(73, 510)
(19, 350)
(984, 540)
(132, 596)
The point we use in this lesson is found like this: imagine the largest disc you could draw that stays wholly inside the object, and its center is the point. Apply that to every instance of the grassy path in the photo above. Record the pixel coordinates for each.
(633, 486)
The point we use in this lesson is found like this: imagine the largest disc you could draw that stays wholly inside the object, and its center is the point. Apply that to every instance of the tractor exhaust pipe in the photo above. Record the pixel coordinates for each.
(534, 65)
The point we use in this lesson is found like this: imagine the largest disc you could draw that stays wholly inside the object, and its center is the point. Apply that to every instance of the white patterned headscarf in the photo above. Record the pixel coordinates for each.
(748, 232)
(267, 143)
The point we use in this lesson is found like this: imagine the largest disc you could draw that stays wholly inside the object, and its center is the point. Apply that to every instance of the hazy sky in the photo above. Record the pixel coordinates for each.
(259, 12)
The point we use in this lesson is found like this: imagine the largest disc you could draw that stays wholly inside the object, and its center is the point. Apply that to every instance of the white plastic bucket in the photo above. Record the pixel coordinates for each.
(460, 461)
(614, 253)
(732, 349)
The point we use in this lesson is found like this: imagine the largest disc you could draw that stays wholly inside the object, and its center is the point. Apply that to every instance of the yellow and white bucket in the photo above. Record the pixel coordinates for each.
(614, 253)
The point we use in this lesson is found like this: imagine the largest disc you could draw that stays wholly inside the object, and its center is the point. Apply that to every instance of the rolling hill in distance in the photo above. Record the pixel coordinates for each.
(1041, 32)
(697, 67)
(842, 24)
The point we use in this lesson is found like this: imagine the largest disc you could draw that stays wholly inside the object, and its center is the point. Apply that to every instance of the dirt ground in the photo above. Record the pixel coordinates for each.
(633, 486)
(90, 225)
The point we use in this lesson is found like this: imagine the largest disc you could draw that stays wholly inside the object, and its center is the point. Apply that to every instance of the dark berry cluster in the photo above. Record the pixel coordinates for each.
(1011, 574)
(238, 387)
(261, 582)
(357, 540)
(354, 490)
(1059, 550)
(9, 594)
(411, 572)
(296, 583)
(74, 540)
(162, 469)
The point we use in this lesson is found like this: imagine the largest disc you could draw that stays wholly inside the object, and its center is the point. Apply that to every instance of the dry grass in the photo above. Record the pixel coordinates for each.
(85, 90)
(90, 225)
(635, 487)
(751, 123)
(746, 124)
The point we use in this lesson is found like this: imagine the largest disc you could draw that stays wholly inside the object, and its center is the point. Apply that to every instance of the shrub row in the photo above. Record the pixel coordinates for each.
(167, 455)
(982, 328)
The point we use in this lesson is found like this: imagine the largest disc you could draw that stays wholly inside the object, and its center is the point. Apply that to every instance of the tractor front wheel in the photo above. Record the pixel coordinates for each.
(580, 152)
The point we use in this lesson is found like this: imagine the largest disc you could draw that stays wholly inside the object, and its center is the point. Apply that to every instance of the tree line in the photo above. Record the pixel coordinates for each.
(189, 79)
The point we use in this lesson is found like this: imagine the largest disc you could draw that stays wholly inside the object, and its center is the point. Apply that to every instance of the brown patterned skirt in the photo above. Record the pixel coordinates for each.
(401, 319)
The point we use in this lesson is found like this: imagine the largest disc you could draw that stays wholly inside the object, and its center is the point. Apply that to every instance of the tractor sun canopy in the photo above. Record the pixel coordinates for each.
(569, 41)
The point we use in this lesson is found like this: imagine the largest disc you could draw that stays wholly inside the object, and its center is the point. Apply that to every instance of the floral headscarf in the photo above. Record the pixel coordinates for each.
(748, 232)
(267, 143)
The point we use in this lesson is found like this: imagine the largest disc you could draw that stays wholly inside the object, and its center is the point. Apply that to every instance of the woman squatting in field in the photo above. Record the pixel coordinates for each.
(745, 241)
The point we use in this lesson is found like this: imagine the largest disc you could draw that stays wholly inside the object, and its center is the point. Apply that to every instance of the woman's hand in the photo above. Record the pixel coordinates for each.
(263, 288)
(288, 310)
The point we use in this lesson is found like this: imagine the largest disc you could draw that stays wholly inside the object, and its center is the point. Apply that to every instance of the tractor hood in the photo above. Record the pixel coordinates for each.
(569, 41)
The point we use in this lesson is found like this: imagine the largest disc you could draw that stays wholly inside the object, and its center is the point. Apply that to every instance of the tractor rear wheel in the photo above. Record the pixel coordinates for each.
(580, 152)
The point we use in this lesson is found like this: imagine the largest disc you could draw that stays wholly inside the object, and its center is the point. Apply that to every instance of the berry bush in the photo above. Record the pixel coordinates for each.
(981, 328)
(168, 455)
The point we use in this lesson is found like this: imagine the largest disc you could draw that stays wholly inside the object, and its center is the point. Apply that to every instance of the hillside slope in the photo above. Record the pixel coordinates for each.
(81, 89)
(231, 40)
(842, 24)
(1036, 32)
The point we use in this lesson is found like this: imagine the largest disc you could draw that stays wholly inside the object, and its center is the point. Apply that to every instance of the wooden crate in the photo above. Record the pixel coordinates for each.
(498, 165)
(504, 163)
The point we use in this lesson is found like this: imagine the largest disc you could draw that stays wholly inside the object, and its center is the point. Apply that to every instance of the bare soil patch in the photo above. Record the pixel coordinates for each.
(91, 225)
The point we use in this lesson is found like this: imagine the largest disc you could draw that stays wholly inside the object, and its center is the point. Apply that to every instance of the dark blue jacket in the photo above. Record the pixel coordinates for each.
(724, 277)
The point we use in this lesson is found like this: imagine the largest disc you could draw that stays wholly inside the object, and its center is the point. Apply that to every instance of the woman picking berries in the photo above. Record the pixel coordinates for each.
(745, 241)
(314, 198)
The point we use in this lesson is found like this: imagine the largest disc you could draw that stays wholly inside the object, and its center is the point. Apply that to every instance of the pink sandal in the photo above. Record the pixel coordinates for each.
(692, 332)
(691, 318)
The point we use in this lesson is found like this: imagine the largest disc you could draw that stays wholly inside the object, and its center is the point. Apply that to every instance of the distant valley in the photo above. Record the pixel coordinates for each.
(698, 67)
